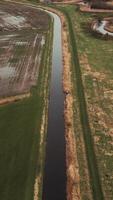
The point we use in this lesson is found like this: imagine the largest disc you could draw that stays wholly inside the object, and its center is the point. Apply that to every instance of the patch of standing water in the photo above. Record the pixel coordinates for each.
(21, 43)
(6, 72)
(43, 41)
(6, 37)
(101, 28)
(54, 181)
(14, 20)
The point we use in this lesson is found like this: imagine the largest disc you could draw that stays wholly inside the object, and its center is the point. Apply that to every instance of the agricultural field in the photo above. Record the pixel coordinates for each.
(21, 41)
(24, 66)
(96, 70)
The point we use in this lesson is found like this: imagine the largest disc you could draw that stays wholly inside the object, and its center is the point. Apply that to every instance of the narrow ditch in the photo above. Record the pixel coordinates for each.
(54, 181)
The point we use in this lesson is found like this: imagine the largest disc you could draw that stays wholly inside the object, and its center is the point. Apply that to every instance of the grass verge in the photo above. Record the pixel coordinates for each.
(89, 143)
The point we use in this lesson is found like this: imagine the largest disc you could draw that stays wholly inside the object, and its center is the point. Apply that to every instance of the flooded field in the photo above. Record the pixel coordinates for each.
(22, 38)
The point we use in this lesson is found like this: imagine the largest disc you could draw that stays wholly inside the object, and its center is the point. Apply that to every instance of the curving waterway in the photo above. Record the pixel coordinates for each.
(54, 182)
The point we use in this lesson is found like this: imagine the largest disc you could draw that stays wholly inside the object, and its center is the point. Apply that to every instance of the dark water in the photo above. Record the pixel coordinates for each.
(54, 183)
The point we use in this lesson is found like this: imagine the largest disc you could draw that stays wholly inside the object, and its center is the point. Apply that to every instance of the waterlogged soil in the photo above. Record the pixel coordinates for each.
(22, 38)
(16, 16)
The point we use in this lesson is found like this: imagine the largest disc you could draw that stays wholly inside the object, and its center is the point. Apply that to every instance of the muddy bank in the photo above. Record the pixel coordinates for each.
(73, 178)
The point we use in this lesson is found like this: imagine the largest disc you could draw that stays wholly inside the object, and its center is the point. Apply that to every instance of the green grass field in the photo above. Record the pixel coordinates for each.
(20, 124)
(92, 75)
(98, 90)
(19, 137)
(93, 81)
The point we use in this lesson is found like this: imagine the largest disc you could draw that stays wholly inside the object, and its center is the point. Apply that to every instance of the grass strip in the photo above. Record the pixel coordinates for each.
(19, 139)
(89, 143)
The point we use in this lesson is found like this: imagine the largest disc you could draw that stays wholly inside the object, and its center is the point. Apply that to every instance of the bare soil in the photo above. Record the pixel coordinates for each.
(109, 25)
(22, 39)
(87, 8)
(14, 98)
(66, 2)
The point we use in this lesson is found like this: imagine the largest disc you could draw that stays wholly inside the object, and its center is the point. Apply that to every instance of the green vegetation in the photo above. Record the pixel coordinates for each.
(46, 61)
(98, 92)
(20, 50)
(20, 136)
(89, 143)
(93, 76)
(92, 163)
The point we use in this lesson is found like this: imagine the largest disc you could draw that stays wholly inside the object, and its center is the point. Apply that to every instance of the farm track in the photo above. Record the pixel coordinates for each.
(89, 144)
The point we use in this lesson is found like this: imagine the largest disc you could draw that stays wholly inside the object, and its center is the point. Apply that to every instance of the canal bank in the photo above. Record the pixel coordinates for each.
(72, 168)
(71, 189)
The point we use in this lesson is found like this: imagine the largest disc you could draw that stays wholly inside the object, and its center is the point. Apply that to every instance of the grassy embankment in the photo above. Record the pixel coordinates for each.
(95, 78)
(20, 136)
(95, 55)
(89, 143)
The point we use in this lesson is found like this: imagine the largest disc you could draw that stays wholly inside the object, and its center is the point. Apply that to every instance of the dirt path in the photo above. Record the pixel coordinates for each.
(14, 98)
(86, 8)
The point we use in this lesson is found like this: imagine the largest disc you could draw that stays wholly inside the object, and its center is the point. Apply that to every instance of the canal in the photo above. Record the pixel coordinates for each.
(54, 182)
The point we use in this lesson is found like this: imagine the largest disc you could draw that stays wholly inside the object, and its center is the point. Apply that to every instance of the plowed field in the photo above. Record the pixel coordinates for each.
(22, 39)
